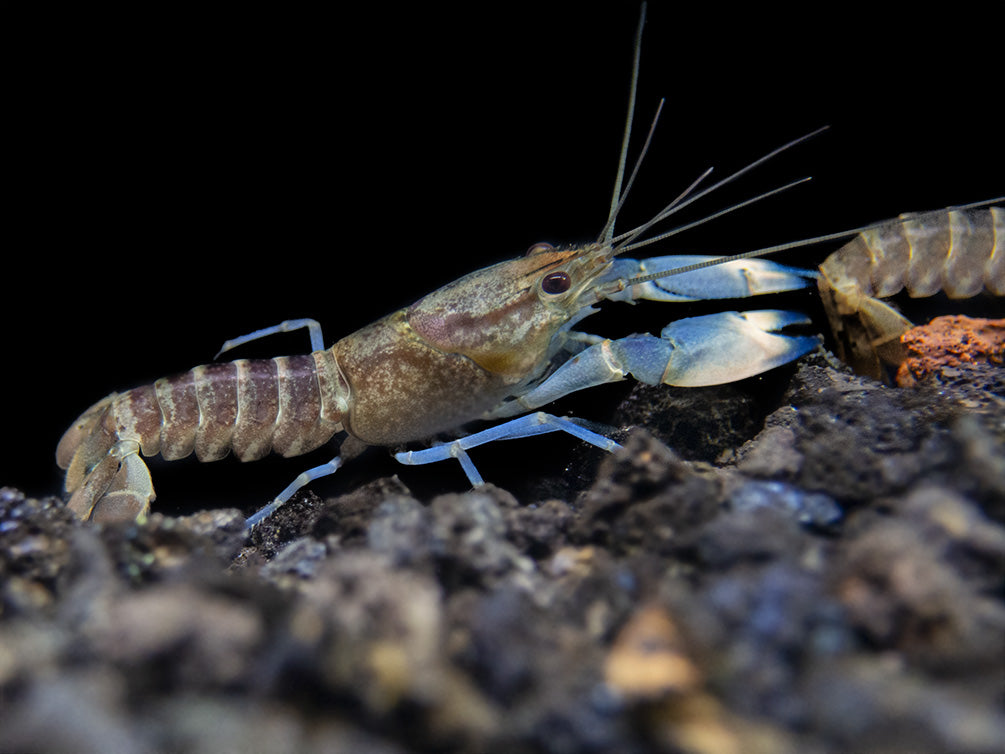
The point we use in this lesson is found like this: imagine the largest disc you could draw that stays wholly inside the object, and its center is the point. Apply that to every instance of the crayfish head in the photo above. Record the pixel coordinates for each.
(506, 317)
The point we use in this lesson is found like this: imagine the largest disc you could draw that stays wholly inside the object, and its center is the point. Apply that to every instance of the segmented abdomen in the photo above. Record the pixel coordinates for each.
(289, 405)
(959, 252)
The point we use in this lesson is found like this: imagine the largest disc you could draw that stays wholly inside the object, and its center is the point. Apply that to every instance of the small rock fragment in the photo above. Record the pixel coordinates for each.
(947, 343)
(648, 659)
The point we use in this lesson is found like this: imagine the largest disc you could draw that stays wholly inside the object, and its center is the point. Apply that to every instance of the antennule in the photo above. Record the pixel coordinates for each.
(709, 218)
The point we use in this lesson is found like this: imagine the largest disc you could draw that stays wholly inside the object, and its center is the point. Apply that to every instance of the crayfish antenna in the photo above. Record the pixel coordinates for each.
(765, 251)
(689, 195)
(607, 232)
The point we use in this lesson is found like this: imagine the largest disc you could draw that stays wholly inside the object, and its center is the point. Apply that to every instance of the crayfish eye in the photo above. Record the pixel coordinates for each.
(556, 282)
(539, 248)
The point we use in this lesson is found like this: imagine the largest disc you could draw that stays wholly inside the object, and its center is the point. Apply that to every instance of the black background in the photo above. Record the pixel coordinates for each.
(181, 179)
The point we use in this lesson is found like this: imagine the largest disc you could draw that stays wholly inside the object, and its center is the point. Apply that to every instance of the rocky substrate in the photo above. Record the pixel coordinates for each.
(817, 567)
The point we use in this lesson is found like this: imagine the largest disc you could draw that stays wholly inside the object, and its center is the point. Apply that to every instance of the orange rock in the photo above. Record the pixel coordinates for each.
(949, 342)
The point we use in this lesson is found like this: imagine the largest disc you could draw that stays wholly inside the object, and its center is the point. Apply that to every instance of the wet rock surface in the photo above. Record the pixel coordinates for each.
(810, 562)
